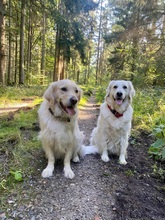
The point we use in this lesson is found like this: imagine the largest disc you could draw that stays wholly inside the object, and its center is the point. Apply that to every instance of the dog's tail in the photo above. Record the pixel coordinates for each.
(91, 149)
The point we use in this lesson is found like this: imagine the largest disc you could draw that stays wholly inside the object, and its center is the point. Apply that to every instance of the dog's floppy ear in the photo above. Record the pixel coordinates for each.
(108, 89)
(80, 94)
(49, 93)
(131, 90)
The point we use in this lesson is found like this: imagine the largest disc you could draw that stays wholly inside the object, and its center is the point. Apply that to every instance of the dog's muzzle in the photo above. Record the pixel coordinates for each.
(119, 98)
(70, 108)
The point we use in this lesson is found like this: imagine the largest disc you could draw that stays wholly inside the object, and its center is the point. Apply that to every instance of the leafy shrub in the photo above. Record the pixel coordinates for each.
(149, 108)
(100, 94)
(157, 149)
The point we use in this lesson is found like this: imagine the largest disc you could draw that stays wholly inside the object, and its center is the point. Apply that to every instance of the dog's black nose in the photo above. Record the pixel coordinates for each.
(119, 94)
(73, 100)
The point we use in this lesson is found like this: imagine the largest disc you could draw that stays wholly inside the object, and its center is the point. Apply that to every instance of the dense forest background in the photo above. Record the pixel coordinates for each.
(87, 41)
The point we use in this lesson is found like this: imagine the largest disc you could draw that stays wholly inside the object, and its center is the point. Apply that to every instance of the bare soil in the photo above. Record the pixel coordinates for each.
(99, 191)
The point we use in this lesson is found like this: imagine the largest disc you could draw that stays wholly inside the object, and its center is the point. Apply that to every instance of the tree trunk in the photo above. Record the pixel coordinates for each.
(56, 59)
(88, 67)
(74, 68)
(78, 76)
(28, 64)
(2, 40)
(59, 61)
(16, 59)
(43, 44)
(16, 53)
(98, 45)
(10, 37)
(21, 58)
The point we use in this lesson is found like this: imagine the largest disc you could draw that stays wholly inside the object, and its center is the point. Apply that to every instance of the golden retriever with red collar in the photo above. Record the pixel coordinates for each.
(60, 134)
(114, 122)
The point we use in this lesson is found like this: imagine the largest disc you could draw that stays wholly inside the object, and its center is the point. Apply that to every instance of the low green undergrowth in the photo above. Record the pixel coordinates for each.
(157, 149)
(18, 145)
(11, 96)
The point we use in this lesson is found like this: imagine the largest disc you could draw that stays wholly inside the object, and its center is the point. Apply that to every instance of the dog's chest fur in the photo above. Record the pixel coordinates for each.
(114, 128)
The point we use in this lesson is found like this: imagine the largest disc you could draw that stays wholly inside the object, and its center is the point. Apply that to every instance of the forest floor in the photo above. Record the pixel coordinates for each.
(99, 191)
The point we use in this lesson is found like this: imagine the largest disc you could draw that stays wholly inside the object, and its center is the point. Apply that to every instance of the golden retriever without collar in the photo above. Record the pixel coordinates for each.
(114, 122)
(60, 134)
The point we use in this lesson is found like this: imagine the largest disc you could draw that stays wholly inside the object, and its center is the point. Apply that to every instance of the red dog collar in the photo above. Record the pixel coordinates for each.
(117, 114)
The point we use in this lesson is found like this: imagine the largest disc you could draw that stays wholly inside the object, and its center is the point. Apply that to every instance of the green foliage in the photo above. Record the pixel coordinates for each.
(100, 94)
(148, 105)
(157, 149)
(18, 141)
(130, 40)
(17, 175)
(87, 91)
(3, 184)
(159, 171)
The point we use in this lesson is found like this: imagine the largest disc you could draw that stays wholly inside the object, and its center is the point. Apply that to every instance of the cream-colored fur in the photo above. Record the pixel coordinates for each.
(60, 134)
(111, 134)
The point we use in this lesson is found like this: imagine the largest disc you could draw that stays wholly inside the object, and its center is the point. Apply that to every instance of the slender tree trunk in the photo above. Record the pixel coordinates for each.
(74, 67)
(57, 54)
(88, 67)
(61, 66)
(29, 43)
(78, 76)
(16, 59)
(2, 40)
(21, 58)
(10, 37)
(43, 44)
(16, 53)
(98, 45)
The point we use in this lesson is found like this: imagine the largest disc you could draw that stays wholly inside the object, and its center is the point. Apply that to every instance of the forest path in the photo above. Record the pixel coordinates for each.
(99, 191)
(16, 106)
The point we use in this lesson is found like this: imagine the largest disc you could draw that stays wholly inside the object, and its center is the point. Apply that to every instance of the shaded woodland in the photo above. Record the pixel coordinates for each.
(87, 41)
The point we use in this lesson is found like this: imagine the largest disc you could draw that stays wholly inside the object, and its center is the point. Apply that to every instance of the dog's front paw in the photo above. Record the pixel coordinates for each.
(122, 161)
(105, 158)
(47, 172)
(68, 173)
(76, 159)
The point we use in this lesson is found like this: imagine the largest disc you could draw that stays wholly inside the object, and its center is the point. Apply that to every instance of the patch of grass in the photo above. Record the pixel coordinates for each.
(18, 146)
(14, 95)
(129, 173)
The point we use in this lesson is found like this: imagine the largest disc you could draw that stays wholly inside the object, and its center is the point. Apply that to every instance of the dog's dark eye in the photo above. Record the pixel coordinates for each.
(124, 87)
(64, 89)
(76, 91)
(115, 87)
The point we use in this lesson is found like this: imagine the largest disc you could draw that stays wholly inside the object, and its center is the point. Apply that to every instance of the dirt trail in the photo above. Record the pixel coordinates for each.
(16, 107)
(99, 191)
